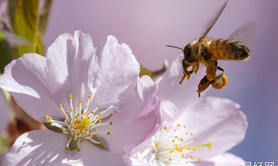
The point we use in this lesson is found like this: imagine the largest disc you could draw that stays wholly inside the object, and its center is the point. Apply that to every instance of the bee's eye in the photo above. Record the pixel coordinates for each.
(187, 51)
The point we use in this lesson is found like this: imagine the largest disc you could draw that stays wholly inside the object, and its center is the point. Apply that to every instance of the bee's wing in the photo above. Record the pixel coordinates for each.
(245, 33)
(213, 21)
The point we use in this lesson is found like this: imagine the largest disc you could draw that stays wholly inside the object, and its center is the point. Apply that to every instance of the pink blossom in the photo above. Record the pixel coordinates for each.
(196, 132)
(99, 105)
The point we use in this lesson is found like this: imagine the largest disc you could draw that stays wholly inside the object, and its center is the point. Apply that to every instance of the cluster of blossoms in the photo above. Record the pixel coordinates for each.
(98, 111)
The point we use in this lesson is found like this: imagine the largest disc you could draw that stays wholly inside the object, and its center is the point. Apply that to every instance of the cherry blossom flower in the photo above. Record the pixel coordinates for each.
(98, 105)
(195, 133)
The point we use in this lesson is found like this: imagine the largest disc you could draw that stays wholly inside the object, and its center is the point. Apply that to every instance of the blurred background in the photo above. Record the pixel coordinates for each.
(146, 26)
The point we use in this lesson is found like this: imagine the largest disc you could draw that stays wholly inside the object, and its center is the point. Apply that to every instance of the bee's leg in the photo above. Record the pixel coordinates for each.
(211, 70)
(220, 76)
(183, 77)
(197, 66)
(203, 85)
(189, 74)
(185, 74)
(220, 81)
(221, 69)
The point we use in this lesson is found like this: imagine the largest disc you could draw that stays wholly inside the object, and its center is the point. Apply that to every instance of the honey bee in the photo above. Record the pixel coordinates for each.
(208, 51)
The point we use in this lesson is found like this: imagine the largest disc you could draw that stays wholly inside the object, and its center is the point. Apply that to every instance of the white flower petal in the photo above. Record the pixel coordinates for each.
(214, 120)
(72, 64)
(119, 70)
(24, 79)
(44, 147)
(39, 83)
(182, 95)
(225, 159)
(168, 110)
(138, 118)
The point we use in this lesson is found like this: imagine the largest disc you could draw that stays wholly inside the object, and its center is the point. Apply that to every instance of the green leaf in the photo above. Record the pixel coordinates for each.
(5, 52)
(24, 18)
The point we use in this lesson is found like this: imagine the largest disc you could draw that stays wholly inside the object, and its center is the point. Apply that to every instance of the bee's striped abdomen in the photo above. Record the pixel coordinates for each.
(228, 50)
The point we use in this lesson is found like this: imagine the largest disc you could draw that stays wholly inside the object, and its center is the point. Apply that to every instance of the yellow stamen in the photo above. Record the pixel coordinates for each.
(47, 117)
(156, 145)
(183, 155)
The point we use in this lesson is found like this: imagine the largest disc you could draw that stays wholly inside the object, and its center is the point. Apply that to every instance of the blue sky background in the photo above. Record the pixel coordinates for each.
(146, 26)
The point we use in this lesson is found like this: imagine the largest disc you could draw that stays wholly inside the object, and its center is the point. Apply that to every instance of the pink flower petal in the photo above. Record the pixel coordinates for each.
(24, 79)
(225, 159)
(138, 118)
(72, 66)
(119, 70)
(44, 147)
(182, 95)
(168, 110)
(39, 83)
(214, 120)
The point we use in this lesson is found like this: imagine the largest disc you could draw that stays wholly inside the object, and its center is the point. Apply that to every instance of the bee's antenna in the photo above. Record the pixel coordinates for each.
(174, 47)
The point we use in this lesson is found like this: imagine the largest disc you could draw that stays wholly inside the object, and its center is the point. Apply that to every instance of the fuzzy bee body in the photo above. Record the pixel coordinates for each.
(226, 49)
(216, 49)
(208, 51)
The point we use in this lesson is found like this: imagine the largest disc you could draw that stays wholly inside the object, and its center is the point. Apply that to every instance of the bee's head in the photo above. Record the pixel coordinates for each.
(189, 57)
